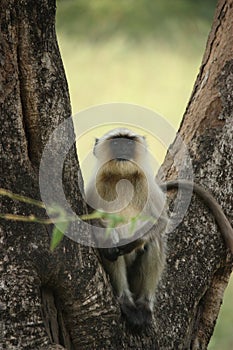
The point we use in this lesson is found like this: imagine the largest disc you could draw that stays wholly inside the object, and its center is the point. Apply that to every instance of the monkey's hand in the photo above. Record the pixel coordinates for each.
(110, 254)
(127, 248)
(113, 253)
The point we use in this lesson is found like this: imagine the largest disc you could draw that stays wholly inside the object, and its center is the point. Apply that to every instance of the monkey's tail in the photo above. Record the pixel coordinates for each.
(220, 217)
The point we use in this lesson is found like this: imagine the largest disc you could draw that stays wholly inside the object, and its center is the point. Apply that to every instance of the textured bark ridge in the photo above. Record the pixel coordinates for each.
(40, 294)
(64, 300)
(198, 267)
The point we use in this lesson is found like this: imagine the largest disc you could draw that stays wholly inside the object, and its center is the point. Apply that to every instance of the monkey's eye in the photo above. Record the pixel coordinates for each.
(115, 142)
(130, 142)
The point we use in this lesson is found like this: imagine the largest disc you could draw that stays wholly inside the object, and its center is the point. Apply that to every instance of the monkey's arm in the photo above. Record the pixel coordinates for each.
(137, 245)
(222, 221)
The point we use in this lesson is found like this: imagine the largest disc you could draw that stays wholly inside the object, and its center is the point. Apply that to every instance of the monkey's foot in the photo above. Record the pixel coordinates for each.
(137, 315)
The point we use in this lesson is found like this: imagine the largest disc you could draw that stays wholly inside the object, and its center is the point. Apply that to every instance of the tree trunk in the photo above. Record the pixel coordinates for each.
(63, 299)
(198, 265)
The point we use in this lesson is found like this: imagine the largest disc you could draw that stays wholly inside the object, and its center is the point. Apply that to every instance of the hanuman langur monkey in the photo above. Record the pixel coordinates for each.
(135, 267)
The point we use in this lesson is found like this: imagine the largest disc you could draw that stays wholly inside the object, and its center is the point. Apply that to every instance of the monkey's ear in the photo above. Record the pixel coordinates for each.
(96, 142)
(144, 139)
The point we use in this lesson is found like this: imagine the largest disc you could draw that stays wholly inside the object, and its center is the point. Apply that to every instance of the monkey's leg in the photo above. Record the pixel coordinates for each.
(118, 277)
(144, 276)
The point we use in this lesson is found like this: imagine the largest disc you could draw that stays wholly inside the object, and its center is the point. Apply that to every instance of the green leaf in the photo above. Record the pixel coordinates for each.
(58, 234)
(56, 211)
(133, 223)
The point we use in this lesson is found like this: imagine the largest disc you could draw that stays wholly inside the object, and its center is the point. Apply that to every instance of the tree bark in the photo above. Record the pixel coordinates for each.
(196, 287)
(63, 299)
(34, 100)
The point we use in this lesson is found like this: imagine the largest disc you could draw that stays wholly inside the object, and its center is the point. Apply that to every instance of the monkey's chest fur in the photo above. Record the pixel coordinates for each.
(129, 190)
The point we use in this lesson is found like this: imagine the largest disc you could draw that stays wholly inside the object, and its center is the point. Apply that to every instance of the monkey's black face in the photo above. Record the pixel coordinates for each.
(122, 148)
(121, 145)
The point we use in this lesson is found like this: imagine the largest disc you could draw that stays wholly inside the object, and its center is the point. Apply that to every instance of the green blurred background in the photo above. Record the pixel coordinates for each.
(146, 52)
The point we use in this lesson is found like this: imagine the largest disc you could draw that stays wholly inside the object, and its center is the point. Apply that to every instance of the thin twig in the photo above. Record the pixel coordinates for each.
(30, 218)
(21, 198)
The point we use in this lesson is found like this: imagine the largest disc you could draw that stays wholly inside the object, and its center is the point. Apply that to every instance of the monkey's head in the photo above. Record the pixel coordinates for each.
(121, 146)
(121, 155)
(123, 182)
